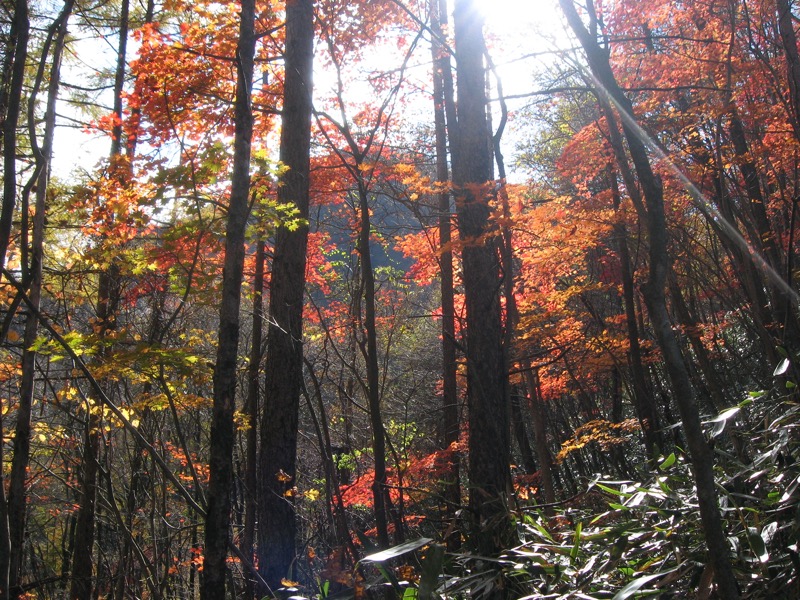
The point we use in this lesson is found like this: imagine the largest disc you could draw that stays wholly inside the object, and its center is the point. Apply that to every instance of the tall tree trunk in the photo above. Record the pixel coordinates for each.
(251, 411)
(369, 349)
(744, 269)
(520, 433)
(655, 298)
(784, 308)
(442, 86)
(17, 495)
(540, 437)
(108, 296)
(217, 530)
(13, 76)
(20, 30)
(486, 368)
(716, 396)
(789, 41)
(643, 401)
(284, 359)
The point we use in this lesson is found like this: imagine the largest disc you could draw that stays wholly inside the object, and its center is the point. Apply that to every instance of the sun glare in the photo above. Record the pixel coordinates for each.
(521, 15)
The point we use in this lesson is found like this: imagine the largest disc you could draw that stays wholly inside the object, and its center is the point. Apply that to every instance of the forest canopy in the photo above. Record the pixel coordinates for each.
(399, 299)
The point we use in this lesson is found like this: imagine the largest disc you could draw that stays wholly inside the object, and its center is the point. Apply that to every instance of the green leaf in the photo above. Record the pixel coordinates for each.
(668, 462)
(544, 533)
(781, 368)
(576, 544)
(619, 547)
(396, 551)
(611, 490)
(431, 568)
(757, 544)
(718, 423)
(635, 585)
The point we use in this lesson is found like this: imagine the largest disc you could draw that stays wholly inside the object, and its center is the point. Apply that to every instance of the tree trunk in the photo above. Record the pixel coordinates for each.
(17, 494)
(540, 437)
(369, 349)
(784, 308)
(789, 40)
(521, 434)
(220, 484)
(284, 359)
(108, 296)
(442, 72)
(655, 298)
(251, 411)
(20, 30)
(642, 397)
(486, 368)
(82, 562)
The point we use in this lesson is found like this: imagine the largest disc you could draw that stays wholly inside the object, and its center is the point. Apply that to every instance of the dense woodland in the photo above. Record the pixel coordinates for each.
(339, 314)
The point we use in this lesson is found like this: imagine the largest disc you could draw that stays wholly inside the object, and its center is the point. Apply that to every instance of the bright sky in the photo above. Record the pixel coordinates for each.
(515, 28)
(517, 14)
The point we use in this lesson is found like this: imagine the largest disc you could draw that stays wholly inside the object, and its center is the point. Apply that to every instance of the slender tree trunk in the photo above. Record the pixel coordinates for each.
(13, 76)
(450, 422)
(642, 397)
(217, 531)
(655, 298)
(540, 437)
(108, 296)
(789, 40)
(716, 394)
(83, 551)
(251, 411)
(486, 367)
(17, 496)
(337, 511)
(745, 270)
(521, 434)
(369, 349)
(784, 307)
(284, 359)
(20, 30)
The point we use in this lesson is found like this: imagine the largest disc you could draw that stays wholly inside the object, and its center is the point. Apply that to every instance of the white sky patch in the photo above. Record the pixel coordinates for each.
(523, 36)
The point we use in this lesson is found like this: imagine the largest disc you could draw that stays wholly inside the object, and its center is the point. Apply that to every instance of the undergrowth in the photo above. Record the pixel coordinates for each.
(635, 539)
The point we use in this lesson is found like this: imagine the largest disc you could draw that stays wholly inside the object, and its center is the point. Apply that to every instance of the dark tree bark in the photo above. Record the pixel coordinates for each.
(364, 304)
(108, 297)
(521, 435)
(251, 411)
(442, 98)
(486, 366)
(643, 401)
(17, 495)
(655, 298)
(18, 48)
(789, 41)
(784, 308)
(540, 438)
(220, 486)
(369, 349)
(284, 359)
